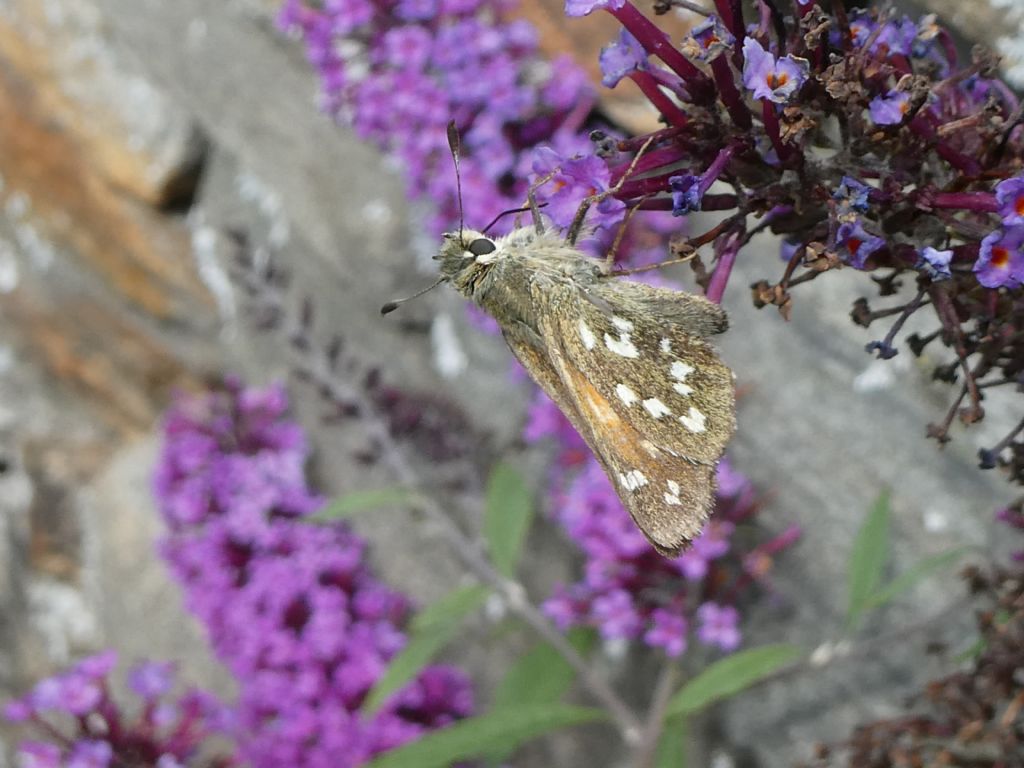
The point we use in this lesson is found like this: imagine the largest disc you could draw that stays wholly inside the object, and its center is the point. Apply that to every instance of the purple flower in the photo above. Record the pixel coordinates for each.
(545, 420)
(616, 615)
(1010, 197)
(291, 609)
(935, 263)
(890, 109)
(416, 10)
(571, 181)
(37, 754)
(621, 57)
(685, 194)
(771, 79)
(1000, 261)
(89, 753)
(151, 679)
(858, 243)
(852, 195)
(896, 37)
(668, 631)
(97, 666)
(718, 626)
(408, 47)
(708, 40)
(586, 7)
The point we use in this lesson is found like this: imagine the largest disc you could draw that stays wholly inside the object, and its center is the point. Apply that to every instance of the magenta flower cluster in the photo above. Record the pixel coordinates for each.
(399, 71)
(83, 726)
(292, 609)
(628, 592)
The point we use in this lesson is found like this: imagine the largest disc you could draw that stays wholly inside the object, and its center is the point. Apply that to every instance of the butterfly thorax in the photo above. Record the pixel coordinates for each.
(498, 274)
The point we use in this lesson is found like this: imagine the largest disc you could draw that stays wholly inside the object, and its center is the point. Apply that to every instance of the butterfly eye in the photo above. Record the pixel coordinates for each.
(480, 246)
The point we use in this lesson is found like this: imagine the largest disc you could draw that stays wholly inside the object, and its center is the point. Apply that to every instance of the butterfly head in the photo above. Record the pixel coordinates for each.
(466, 257)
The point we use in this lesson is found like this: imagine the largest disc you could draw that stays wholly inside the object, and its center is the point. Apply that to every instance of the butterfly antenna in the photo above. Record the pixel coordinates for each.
(391, 306)
(509, 212)
(455, 145)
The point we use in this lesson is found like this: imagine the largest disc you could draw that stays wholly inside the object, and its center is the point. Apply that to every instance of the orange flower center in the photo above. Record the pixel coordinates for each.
(777, 80)
(854, 244)
(1000, 257)
(1018, 205)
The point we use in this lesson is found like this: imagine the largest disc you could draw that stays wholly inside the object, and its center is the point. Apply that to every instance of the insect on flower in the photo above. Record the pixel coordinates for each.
(629, 364)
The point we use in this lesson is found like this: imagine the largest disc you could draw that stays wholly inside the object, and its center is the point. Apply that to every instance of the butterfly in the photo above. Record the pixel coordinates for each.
(629, 364)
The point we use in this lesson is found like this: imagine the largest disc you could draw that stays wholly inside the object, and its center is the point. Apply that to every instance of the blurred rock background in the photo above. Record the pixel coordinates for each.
(135, 134)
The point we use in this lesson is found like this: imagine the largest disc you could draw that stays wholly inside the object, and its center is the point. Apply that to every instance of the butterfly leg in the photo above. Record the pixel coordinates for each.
(609, 259)
(581, 213)
(533, 205)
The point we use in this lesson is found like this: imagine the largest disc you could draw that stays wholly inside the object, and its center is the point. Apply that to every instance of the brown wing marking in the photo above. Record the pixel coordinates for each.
(668, 497)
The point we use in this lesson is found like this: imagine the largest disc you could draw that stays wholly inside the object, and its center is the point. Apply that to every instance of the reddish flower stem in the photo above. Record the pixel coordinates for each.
(658, 43)
(652, 90)
(729, 94)
(980, 202)
(720, 277)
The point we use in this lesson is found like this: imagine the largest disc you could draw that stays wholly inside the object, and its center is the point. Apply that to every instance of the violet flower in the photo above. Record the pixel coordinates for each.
(857, 243)
(1010, 196)
(890, 109)
(935, 263)
(769, 78)
(291, 609)
(169, 730)
(1001, 259)
(621, 57)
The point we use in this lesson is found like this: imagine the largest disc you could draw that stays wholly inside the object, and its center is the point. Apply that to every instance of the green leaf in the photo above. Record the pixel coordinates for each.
(916, 573)
(430, 631)
(360, 501)
(730, 676)
(450, 609)
(500, 729)
(867, 559)
(507, 516)
(539, 676)
(671, 751)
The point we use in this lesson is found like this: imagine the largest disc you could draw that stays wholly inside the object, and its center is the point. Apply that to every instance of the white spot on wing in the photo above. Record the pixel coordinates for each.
(679, 371)
(622, 323)
(587, 335)
(673, 500)
(673, 487)
(666, 346)
(621, 346)
(626, 395)
(656, 408)
(695, 421)
(633, 479)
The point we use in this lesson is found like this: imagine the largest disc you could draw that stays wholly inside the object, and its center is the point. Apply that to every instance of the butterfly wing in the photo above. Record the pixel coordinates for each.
(652, 400)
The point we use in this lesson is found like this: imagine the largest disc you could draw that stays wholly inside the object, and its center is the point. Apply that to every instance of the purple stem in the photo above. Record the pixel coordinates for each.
(650, 161)
(729, 94)
(717, 202)
(720, 277)
(966, 165)
(657, 43)
(771, 127)
(710, 176)
(979, 202)
(649, 85)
